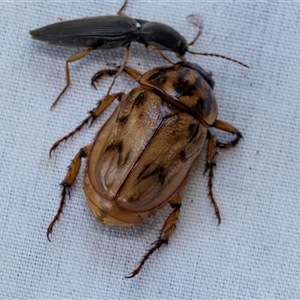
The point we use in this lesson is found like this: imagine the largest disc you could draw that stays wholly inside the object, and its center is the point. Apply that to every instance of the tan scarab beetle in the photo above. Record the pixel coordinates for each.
(141, 157)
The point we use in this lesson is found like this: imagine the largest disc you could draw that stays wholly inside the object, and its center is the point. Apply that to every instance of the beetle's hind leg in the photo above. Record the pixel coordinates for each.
(67, 183)
(93, 114)
(73, 58)
(209, 167)
(212, 146)
(165, 233)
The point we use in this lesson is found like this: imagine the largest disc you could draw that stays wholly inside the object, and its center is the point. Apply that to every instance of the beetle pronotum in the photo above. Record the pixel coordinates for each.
(141, 157)
(110, 32)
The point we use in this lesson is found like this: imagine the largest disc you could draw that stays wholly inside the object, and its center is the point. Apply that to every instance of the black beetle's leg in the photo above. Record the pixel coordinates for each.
(153, 48)
(67, 183)
(93, 114)
(228, 128)
(127, 57)
(71, 59)
(165, 233)
(120, 12)
(210, 164)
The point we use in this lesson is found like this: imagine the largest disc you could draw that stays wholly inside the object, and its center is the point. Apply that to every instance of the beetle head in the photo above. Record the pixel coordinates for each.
(161, 36)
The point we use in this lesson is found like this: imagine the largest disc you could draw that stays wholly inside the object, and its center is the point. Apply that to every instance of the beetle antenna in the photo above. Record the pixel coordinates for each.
(221, 56)
(197, 22)
(120, 12)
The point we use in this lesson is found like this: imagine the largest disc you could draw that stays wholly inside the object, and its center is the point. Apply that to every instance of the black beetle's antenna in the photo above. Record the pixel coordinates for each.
(197, 22)
(219, 55)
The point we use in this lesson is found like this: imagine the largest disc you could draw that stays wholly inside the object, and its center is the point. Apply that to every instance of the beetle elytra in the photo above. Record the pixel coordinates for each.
(141, 157)
(110, 32)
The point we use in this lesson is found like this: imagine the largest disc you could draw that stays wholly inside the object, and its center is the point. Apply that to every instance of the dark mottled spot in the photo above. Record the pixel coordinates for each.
(200, 104)
(160, 171)
(158, 78)
(183, 73)
(205, 105)
(126, 158)
(161, 175)
(183, 88)
(131, 199)
(140, 99)
(207, 76)
(117, 146)
(193, 131)
(123, 120)
(143, 171)
(182, 155)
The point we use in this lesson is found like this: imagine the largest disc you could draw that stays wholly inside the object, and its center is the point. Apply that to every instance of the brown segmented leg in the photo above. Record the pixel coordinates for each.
(127, 57)
(93, 114)
(136, 75)
(107, 72)
(212, 146)
(153, 48)
(210, 164)
(74, 57)
(67, 183)
(165, 233)
(228, 128)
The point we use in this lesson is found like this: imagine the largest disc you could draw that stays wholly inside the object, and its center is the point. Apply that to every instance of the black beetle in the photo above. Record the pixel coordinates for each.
(109, 32)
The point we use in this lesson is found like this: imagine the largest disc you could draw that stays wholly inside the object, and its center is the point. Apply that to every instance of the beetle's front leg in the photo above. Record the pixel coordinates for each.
(165, 233)
(67, 183)
(93, 114)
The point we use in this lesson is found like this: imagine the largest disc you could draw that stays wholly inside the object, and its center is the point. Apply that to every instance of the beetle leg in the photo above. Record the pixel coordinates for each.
(127, 57)
(67, 183)
(165, 232)
(210, 164)
(74, 57)
(136, 75)
(153, 48)
(228, 128)
(93, 114)
(107, 72)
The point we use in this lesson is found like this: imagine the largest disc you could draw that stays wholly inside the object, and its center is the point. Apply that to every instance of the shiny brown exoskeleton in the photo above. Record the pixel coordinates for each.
(111, 32)
(141, 157)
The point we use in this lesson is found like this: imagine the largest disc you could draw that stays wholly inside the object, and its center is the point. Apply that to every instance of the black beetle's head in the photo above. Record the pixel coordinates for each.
(161, 36)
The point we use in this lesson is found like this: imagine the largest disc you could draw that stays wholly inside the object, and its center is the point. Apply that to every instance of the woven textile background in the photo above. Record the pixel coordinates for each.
(253, 253)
